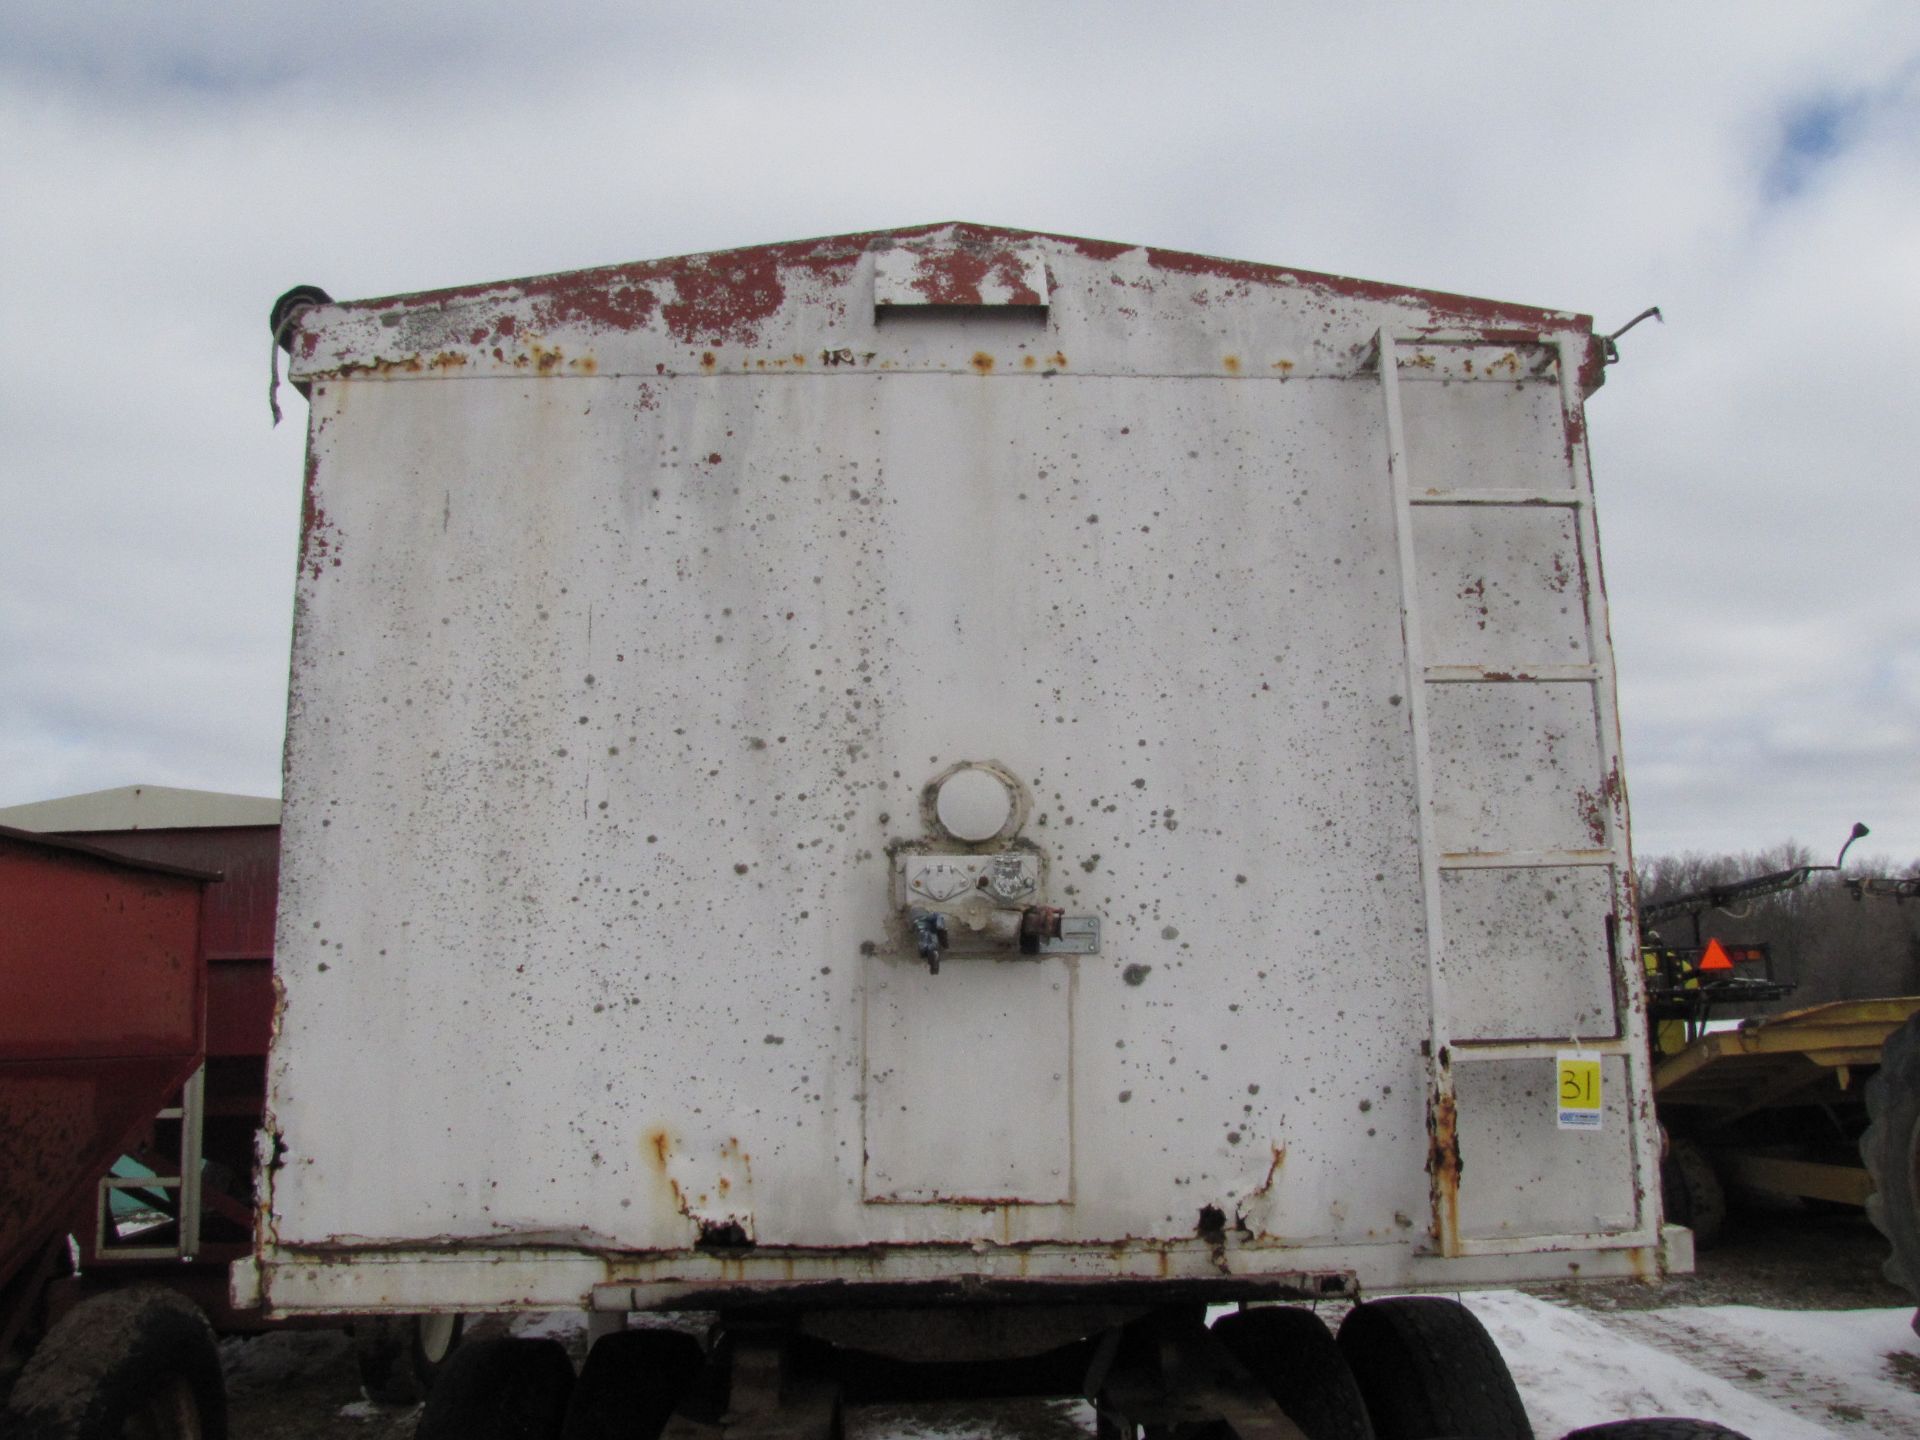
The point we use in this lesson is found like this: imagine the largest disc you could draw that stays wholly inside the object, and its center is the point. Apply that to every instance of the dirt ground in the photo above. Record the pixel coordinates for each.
(301, 1385)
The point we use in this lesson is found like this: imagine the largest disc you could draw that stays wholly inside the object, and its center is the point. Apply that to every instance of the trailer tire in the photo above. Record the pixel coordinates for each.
(1890, 1149)
(1660, 1428)
(399, 1356)
(1294, 1355)
(143, 1355)
(1691, 1192)
(1427, 1368)
(630, 1384)
(501, 1388)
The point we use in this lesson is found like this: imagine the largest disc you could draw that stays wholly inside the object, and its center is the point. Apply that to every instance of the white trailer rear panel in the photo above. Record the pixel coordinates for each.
(1253, 621)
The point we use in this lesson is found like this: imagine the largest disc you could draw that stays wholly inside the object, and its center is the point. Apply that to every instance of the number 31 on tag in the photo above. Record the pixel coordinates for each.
(1576, 1076)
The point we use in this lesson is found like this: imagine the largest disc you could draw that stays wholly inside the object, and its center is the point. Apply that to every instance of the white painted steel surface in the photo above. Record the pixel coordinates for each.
(641, 610)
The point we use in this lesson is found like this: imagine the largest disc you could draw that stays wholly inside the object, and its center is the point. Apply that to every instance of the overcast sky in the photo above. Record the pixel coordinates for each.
(1754, 169)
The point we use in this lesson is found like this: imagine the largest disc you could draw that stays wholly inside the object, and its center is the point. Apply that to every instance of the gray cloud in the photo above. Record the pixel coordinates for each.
(1750, 168)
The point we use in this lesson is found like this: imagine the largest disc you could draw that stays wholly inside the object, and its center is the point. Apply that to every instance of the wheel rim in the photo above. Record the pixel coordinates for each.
(436, 1336)
(170, 1413)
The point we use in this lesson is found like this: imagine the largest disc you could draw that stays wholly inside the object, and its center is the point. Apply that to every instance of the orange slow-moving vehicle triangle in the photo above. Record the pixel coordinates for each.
(1715, 957)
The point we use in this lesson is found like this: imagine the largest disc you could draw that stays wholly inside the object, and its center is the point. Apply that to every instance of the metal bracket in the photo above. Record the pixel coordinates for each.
(1079, 935)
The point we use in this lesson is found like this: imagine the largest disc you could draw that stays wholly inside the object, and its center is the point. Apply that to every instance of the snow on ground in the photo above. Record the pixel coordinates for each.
(1774, 1374)
(1771, 1374)
(569, 1327)
(1853, 1370)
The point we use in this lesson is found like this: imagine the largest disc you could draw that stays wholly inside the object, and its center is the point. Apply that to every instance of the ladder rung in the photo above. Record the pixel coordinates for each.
(1566, 499)
(1522, 859)
(1464, 1050)
(1519, 674)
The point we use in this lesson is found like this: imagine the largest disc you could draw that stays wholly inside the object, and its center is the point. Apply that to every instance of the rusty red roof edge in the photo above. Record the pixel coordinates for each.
(623, 306)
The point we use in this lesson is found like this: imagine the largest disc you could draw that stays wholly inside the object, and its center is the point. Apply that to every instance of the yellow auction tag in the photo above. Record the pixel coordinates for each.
(1576, 1077)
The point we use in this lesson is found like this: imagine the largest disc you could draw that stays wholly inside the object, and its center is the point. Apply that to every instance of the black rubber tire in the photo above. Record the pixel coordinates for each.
(1428, 1368)
(1293, 1354)
(1660, 1428)
(1890, 1149)
(630, 1384)
(391, 1352)
(298, 295)
(500, 1388)
(114, 1357)
(1692, 1193)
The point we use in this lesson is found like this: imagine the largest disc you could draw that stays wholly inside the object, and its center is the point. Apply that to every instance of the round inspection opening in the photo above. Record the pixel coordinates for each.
(974, 804)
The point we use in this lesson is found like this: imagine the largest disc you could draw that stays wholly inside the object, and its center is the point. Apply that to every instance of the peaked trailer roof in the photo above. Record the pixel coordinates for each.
(735, 311)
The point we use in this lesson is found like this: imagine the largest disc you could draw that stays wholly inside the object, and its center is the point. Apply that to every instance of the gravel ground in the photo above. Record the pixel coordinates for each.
(301, 1385)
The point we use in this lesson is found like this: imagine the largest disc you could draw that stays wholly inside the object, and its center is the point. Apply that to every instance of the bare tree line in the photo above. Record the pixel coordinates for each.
(1829, 944)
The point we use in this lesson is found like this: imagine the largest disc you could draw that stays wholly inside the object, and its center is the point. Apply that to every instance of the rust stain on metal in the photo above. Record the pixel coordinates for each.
(403, 365)
(724, 297)
(1273, 1172)
(319, 542)
(982, 362)
(1475, 594)
(1444, 1169)
(576, 299)
(1591, 816)
(956, 276)
(1593, 806)
(1094, 249)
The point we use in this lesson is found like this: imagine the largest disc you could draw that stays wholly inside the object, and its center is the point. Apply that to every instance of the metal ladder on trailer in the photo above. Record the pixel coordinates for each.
(1457, 675)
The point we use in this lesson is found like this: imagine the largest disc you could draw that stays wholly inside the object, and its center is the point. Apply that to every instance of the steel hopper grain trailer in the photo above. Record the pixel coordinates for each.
(952, 794)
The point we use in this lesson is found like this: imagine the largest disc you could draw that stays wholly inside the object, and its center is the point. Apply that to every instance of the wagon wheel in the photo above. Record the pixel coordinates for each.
(1293, 1354)
(631, 1383)
(1691, 1192)
(500, 1388)
(140, 1361)
(399, 1355)
(1428, 1367)
(1890, 1149)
